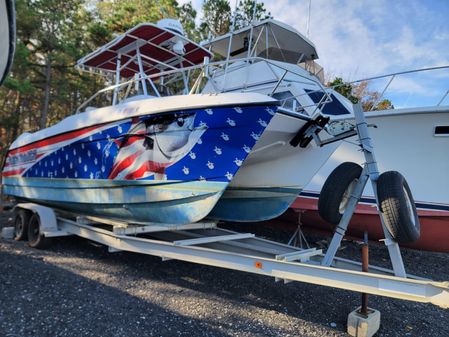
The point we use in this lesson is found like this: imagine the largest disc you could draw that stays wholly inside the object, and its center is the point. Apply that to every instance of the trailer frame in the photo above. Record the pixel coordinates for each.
(207, 244)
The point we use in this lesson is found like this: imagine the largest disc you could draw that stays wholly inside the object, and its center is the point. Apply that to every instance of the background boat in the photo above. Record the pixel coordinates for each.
(7, 36)
(413, 142)
(282, 64)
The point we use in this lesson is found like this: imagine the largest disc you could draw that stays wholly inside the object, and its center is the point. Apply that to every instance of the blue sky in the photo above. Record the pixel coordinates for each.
(359, 38)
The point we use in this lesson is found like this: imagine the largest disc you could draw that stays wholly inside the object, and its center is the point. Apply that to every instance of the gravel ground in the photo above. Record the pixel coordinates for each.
(77, 289)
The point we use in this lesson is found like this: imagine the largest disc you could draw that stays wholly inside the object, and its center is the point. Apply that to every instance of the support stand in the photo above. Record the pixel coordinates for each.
(298, 238)
(370, 172)
(364, 321)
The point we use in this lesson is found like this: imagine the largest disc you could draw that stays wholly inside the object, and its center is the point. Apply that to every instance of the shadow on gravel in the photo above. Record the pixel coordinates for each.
(40, 299)
(317, 304)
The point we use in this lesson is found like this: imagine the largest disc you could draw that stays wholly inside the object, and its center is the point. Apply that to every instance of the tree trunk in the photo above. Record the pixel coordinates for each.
(43, 123)
(15, 122)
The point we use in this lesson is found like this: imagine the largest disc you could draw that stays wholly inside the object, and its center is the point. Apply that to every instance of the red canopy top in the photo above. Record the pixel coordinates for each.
(155, 45)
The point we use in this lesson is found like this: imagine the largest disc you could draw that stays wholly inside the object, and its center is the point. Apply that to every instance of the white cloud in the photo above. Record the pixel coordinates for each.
(358, 39)
(409, 86)
(363, 38)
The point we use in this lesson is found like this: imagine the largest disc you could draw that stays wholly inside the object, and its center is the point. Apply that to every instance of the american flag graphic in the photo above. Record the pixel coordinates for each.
(153, 145)
(200, 144)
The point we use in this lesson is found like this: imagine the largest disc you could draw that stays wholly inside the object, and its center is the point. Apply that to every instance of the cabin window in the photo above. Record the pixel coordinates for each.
(442, 131)
(332, 108)
(288, 101)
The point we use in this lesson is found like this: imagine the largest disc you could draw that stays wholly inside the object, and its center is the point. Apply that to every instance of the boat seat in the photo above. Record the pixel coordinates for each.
(137, 98)
(89, 108)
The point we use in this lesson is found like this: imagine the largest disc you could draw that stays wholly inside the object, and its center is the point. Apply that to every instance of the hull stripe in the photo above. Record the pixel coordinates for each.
(12, 172)
(421, 205)
(53, 140)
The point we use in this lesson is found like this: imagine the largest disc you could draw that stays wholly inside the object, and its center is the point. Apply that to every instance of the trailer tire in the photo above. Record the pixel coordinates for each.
(35, 238)
(398, 207)
(21, 222)
(338, 186)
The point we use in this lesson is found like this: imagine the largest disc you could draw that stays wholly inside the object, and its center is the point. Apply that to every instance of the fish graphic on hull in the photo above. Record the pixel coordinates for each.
(153, 145)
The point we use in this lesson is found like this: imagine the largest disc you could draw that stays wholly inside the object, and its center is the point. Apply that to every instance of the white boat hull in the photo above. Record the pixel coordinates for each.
(404, 141)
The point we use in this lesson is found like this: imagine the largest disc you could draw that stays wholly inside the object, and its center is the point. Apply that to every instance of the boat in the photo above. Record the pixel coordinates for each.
(275, 172)
(145, 157)
(159, 151)
(7, 36)
(413, 141)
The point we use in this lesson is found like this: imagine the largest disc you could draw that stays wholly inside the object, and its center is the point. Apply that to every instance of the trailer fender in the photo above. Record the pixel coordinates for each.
(48, 221)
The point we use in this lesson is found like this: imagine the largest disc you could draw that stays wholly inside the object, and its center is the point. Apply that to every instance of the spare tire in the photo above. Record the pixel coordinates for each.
(336, 190)
(398, 207)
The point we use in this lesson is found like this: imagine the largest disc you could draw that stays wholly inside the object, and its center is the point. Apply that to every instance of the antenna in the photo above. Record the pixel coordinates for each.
(308, 20)
(231, 34)
(254, 11)
(233, 15)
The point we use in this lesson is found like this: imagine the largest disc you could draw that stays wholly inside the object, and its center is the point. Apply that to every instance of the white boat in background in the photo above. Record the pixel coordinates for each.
(280, 63)
(275, 171)
(412, 141)
(7, 36)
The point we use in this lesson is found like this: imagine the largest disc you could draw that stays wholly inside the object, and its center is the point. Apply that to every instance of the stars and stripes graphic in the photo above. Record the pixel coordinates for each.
(201, 144)
(21, 159)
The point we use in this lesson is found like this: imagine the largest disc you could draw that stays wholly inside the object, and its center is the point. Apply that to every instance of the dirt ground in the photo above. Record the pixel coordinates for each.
(76, 288)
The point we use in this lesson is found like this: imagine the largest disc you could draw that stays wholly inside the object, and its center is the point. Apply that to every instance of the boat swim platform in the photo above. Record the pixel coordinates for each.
(207, 244)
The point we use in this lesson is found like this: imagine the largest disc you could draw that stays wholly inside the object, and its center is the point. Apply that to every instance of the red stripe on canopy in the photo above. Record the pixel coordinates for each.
(156, 45)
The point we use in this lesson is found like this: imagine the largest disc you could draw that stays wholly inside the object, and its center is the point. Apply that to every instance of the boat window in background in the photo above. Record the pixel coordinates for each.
(442, 130)
(288, 101)
(333, 107)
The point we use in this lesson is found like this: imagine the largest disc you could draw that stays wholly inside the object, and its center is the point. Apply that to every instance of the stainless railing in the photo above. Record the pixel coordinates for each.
(392, 76)
(210, 70)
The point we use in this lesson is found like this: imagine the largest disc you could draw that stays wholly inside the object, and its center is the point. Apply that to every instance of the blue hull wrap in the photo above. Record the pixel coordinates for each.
(253, 204)
(182, 158)
(169, 202)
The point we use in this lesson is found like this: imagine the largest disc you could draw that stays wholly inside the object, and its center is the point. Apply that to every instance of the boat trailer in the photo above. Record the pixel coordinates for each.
(205, 243)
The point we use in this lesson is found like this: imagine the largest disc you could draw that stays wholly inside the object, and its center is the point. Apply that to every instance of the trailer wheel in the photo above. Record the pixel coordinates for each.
(336, 190)
(398, 207)
(21, 224)
(35, 238)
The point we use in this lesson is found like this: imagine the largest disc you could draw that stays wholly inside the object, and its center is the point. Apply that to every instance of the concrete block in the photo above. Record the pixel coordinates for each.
(7, 233)
(360, 325)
